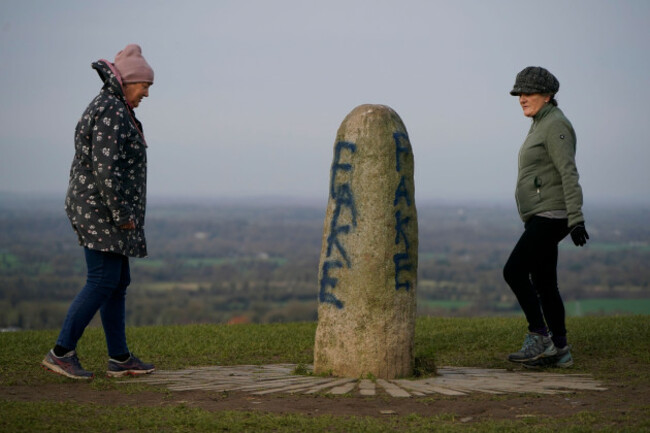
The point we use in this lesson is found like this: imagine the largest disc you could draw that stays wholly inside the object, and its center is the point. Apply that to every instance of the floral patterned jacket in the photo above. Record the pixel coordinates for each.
(108, 177)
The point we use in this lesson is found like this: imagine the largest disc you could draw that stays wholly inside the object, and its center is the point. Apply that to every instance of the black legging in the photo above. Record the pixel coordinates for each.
(531, 273)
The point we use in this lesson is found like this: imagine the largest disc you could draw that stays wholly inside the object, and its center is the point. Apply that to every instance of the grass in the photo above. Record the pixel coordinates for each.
(91, 418)
(184, 419)
(169, 347)
(614, 349)
(599, 343)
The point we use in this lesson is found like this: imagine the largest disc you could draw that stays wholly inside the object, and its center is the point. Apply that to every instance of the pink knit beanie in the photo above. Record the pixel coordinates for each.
(132, 66)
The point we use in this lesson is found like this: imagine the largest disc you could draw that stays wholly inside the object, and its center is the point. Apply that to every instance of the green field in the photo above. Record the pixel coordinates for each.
(8, 261)
(585, 307)
(444, 305)
(607, 306)
(11, 262)
(210, 261)
(615, 247)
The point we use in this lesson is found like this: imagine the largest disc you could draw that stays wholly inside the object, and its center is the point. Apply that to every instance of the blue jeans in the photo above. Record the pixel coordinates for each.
(105, 290)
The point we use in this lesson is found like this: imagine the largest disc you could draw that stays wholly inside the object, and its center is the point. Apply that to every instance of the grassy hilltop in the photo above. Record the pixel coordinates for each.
(613, 349)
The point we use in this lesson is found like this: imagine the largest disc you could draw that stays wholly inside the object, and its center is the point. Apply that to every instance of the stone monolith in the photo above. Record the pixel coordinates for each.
(369, 255)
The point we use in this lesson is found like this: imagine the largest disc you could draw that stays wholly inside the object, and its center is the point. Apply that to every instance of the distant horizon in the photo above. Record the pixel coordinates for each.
(312, 201)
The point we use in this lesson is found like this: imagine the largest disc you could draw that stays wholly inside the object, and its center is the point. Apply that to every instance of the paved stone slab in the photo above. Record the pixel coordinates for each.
(343, 389)
(392, 389)
(279, 378)
(366, 387)
(332, 383)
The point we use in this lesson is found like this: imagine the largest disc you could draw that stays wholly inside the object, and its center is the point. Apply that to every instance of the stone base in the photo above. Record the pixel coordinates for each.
(280, 378)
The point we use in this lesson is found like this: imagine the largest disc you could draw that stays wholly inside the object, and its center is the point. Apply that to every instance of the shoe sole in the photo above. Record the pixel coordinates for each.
(534, 358)
(543, 367)
(565, 364)
(521, 361)
(58, 370)
(128, 373)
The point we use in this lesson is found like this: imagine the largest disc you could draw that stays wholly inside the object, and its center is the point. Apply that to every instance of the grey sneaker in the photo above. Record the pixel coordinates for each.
(131, 367)
(67, 365)
(562, 359)
(535, 346)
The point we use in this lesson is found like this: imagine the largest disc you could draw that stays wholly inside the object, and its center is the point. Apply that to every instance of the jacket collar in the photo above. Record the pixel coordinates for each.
(111, 78)
(543, 112)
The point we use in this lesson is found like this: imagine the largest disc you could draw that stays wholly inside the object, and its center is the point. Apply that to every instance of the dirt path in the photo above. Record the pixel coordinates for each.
(478, 406)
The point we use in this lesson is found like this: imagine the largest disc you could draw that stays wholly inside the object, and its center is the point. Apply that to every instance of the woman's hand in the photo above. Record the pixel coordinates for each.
(579, 234)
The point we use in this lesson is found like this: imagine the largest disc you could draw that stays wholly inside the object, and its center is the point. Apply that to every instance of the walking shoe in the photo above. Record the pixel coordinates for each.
(67, 365)
(535, 346)
(561, 359)
(131, 367)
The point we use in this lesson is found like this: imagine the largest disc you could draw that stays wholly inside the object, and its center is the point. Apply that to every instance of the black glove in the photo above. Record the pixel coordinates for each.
(579, 234)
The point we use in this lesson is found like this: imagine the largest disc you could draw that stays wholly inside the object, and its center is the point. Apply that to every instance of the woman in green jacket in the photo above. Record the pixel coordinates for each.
(549, 200)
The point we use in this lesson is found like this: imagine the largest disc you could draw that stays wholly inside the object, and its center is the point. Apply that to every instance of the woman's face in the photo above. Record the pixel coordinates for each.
(531, 103)
(134, 92)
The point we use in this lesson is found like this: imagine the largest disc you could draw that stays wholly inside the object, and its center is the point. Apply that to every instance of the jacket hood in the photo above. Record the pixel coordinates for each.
(110, 77)
(113, 84)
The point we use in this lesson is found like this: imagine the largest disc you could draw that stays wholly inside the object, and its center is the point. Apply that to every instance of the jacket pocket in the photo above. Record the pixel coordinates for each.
(537, 184)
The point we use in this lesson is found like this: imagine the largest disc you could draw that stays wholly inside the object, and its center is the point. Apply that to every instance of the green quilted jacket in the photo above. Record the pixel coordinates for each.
(548, 176)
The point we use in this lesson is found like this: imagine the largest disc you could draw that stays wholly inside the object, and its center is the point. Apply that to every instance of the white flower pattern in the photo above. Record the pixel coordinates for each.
(108, 176)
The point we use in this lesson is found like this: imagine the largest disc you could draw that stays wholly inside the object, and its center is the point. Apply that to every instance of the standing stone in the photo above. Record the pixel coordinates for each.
(369, 254)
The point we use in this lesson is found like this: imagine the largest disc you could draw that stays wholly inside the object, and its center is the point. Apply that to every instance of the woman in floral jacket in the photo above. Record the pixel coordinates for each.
(106, 203)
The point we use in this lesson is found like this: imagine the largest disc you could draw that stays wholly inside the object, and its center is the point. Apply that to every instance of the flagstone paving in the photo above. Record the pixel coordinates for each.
(280, 378)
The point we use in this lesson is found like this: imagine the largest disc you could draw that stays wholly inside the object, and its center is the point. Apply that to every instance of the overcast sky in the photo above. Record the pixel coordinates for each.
(248, 95)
